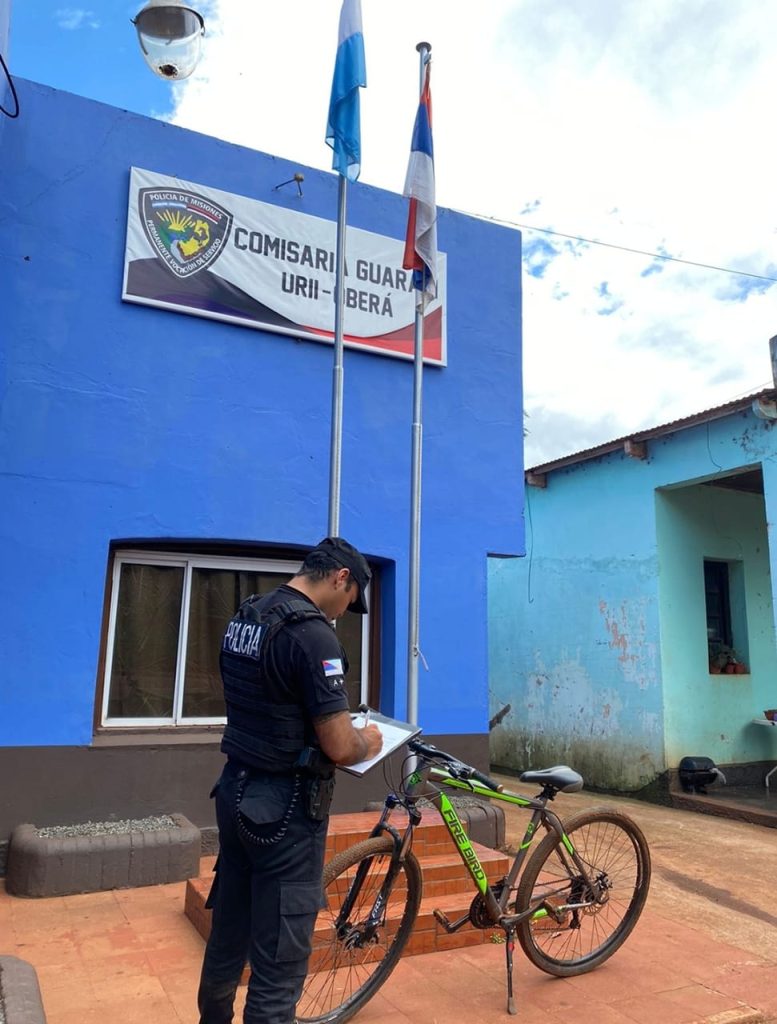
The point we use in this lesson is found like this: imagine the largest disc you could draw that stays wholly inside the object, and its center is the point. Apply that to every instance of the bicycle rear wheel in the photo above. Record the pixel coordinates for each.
(587, 926)
(345, 969)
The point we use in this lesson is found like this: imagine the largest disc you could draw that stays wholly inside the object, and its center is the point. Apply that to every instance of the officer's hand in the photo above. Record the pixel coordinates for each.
(374, 738)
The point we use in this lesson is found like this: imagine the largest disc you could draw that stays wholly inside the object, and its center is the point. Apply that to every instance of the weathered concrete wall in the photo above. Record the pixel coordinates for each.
(598, 636)
(573, 629)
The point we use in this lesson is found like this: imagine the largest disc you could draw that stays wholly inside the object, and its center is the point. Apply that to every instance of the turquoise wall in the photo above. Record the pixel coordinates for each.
(597, 637)
(573, 629)
(704, 713)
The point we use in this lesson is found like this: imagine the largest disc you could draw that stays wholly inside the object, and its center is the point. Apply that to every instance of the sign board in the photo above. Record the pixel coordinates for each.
(198, 250)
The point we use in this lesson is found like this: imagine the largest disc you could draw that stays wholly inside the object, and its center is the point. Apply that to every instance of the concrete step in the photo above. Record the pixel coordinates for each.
(753, 804)
(447, 883)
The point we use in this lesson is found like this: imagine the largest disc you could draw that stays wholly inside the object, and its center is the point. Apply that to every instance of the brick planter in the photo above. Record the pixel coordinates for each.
(19, 992)
(60, 866)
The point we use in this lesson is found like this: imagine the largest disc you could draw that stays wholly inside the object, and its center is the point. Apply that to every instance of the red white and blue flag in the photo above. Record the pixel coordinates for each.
(421, 240)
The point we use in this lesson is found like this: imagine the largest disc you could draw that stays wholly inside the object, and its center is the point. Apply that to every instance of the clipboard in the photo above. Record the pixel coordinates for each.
(395, 734)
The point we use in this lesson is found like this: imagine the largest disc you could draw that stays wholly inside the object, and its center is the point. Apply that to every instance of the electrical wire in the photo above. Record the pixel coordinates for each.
(13, 91)
(716, 464)
(652, 255)
(623, 248)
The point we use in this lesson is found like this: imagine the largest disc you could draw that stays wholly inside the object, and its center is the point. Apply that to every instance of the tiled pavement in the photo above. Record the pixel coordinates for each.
(132, 956)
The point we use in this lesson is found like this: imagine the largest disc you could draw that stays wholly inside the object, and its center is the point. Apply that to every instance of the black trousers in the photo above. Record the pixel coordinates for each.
(265, 897)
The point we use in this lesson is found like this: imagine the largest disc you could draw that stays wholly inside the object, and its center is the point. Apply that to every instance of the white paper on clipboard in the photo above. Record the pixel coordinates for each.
(394, 732)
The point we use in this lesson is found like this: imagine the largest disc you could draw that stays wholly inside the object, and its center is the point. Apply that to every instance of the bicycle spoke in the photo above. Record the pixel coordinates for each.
(347, 968)
(593, 920)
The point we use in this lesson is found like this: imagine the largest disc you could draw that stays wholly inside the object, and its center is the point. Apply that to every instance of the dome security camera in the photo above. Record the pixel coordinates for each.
(170, 36)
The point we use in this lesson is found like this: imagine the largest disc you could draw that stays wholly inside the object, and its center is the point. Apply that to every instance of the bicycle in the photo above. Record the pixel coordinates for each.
(579, 897)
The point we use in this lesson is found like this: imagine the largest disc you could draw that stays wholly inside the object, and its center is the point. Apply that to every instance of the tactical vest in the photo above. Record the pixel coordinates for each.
(260, 732)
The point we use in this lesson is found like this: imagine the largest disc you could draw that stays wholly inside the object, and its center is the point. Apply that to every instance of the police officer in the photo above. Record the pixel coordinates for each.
(288, 725)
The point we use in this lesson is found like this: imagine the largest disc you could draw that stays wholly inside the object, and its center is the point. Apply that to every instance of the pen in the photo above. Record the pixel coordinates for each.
(366, 714)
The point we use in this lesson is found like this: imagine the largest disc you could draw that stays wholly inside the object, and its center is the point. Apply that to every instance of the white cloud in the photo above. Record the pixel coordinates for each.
(646, 126)
(71, 18)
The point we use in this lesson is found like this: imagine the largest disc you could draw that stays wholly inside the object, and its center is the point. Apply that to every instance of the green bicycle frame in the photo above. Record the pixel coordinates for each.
(420, 786)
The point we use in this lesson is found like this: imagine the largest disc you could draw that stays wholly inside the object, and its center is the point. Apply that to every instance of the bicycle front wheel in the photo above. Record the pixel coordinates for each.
(583, 924)
(348, 966)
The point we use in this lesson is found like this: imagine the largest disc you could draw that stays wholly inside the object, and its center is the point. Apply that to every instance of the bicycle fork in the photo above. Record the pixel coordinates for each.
(355, 938)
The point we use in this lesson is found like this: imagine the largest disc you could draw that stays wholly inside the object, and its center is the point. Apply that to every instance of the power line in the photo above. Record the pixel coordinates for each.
(626, 248)
(653, 255)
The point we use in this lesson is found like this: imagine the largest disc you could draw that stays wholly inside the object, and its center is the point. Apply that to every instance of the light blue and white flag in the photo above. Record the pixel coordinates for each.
(343, 127)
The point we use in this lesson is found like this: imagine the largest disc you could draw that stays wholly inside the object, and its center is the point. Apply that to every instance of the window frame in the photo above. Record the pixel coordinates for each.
(731, 594)
(189, 561)
(720, 569)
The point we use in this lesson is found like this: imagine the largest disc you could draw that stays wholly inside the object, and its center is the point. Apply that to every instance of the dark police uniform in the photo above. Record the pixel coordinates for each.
(282, 665)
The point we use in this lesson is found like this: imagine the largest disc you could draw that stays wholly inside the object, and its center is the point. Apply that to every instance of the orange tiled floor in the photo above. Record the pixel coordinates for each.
(132, 956)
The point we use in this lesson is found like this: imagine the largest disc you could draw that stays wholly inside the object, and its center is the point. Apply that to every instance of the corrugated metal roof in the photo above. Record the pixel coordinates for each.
(716, 413)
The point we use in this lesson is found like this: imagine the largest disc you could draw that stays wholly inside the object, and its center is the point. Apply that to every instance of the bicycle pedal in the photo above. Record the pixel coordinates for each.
(444, 920)
(450, 926)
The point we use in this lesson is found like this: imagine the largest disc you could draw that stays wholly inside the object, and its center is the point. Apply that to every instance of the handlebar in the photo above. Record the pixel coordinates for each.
(486, 780)
(457, 769)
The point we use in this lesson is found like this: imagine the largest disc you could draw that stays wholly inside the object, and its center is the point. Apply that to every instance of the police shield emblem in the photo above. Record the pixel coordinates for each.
(187, 230)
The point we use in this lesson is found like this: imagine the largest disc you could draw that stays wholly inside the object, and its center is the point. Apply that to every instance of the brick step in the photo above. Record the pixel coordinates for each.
(427, 935)
(454, 892)
(431, 836)
(444, 874)
(447, 884)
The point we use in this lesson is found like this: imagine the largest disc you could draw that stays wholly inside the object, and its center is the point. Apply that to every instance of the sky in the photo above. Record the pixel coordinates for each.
(643, 124)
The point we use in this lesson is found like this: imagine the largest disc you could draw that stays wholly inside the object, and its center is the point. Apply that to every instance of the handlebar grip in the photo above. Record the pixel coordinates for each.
(484, 780)
(458, 768)
(428, 750)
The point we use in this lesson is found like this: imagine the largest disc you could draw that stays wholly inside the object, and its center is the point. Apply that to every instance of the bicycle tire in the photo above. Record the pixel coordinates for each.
(616, 852)
(342, 980)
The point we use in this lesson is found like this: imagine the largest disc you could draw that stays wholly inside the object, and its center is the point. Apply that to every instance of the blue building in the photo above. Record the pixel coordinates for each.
(164, 453)
(640, 627)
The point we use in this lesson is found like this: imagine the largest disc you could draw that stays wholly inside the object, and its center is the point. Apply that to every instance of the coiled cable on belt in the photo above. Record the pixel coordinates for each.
(283, 828)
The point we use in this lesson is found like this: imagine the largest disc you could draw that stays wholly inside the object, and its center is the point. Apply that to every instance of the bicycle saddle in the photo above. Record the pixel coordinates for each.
(564, 779)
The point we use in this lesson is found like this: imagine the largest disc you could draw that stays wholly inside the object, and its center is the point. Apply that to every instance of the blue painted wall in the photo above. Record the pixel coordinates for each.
(119, 421)
(598, 636)
(5, 20)
(6, 98)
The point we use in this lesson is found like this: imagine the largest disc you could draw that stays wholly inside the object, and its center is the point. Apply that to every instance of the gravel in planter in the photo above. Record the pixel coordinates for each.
(108, 828)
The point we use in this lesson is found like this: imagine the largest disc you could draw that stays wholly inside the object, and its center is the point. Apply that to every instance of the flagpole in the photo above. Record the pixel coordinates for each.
(343, 134)
(413, 604)
(336, 442)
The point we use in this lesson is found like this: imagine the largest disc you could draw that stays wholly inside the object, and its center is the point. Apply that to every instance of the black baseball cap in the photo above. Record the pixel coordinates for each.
(348, 557)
